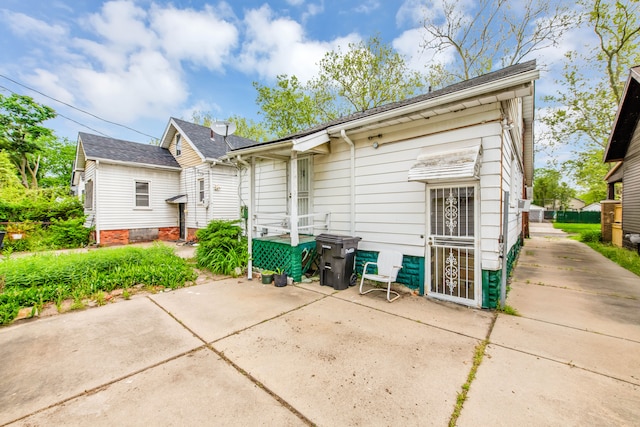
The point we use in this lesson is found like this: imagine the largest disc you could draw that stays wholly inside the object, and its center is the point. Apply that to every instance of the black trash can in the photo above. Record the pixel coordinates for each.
(337, 256)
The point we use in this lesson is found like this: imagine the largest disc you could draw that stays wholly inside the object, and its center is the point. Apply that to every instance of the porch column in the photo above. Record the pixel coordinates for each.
(294, 199)
(250, 210)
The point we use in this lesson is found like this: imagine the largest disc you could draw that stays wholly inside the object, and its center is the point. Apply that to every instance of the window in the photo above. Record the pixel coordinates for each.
(88, 195)
(201, 190)
(142, 194)
(178, 145)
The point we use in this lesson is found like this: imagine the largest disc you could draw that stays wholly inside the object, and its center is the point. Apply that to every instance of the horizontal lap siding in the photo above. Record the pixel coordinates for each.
(631, 186)
(225, 203)
(115, 193)
(332, 187)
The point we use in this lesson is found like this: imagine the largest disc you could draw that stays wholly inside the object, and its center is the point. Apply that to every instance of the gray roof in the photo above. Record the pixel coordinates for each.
(456, 87)
(211, 145)
(104, 148)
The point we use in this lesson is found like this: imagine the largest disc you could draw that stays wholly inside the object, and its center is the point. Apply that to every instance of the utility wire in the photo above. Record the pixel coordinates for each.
(63, 116)
(78, 109)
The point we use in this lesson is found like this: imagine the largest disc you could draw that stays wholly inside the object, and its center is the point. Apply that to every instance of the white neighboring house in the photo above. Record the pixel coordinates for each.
(425, 176)
(592, 207)
(141, 192)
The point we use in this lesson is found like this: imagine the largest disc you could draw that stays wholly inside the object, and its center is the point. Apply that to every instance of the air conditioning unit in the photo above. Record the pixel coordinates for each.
(524, 205)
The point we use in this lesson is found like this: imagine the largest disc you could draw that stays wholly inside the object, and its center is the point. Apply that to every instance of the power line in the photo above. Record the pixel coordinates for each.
(63, 116)
(78, 109)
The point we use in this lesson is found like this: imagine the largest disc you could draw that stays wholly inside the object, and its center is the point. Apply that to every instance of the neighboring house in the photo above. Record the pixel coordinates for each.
(140, 192)
(536, 213)
(624, 146)
(426, 176)
(592, 207)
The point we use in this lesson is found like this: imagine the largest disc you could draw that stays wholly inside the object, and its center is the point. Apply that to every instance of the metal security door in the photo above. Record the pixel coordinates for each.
(452, 244)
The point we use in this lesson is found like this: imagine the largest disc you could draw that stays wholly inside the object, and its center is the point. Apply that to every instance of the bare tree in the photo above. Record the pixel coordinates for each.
(493, 32)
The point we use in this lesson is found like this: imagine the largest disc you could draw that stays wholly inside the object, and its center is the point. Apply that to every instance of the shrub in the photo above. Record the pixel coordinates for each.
(69, 233)
(591, 236)
(39, 279)
(222, 248)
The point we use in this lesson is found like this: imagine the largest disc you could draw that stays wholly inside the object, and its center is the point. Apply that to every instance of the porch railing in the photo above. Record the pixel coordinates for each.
(265, 224)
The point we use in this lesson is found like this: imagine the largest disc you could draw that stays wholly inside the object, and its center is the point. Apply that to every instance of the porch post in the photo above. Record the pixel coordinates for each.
(250, 207)
(294, 199)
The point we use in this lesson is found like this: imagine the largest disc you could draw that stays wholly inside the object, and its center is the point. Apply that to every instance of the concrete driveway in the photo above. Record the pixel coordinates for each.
(236, 352)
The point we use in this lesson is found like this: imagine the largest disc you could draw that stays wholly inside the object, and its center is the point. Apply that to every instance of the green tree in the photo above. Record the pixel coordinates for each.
(8, 172)
(287, 107)
(22, 133)
(592, 84)
(369, 74)
(549, 191)
(484, 34)
(56, 164)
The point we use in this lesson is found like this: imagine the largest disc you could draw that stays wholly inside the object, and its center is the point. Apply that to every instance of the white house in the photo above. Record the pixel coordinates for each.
(140, 192)
(426, 176)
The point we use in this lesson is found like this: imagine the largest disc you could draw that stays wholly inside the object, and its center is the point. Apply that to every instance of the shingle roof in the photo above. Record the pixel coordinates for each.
(211, 148)
(456, 87)
(100, 147)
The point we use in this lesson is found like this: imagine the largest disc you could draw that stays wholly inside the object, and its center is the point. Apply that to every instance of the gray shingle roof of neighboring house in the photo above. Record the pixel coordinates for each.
(456, 87)
(211, 145)
(104, 148)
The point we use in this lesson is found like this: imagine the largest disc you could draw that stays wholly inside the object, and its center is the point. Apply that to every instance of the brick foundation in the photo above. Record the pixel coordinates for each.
(114, 237)
(191, 234)
(169, 233)
(123, 237)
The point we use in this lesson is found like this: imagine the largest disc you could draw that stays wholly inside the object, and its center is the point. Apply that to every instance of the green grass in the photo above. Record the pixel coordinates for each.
(590, 235)
(33, 281)
(576, 228)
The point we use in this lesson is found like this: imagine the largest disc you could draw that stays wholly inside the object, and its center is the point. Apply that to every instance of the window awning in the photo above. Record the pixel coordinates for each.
(448, 162)
(181, 198)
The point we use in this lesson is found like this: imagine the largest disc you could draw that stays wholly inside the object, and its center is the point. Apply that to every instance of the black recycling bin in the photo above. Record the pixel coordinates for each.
(337, 256)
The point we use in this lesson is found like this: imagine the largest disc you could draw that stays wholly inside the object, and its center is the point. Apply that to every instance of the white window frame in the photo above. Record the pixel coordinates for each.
(136, 194)
(202, 190)
(178, 144)
(89, 195)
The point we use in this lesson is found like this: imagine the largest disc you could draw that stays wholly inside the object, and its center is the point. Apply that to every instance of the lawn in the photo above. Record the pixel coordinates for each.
(591, 236)
(41, 279)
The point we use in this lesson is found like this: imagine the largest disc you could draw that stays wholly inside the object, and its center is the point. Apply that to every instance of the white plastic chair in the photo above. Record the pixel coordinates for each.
(389, 264)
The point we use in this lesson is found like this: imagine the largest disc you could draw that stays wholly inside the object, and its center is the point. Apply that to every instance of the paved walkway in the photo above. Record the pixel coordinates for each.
(236, 352)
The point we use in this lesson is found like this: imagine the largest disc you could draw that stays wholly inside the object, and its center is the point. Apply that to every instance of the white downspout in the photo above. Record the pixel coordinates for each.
(352, 178)
(250, 207)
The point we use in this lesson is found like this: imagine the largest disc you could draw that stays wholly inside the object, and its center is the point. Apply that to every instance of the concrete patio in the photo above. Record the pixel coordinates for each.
(236, 352)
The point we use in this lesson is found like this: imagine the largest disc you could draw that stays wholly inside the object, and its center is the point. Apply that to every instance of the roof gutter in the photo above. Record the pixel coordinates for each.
(144, 165)
(259, 148)
(457, 96)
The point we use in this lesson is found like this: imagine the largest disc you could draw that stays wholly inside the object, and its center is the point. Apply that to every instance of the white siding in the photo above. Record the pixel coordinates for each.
(115, 197)
(390, 211)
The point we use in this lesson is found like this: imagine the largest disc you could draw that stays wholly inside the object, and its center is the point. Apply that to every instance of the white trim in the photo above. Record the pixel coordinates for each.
(135, 194)
(135, 164)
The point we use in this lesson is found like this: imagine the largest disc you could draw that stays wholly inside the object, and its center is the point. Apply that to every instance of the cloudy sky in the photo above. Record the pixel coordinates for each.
(136, 63)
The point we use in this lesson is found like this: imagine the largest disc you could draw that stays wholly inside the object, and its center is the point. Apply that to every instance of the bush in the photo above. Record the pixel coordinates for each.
(222, 248)
(591, 236)
(69, 233)
(39, 279)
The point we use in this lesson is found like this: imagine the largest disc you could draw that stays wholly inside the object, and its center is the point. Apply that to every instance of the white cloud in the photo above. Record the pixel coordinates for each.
(148, 87)
(276, 45)
(200, 37)
(367, 7)
(50, 84)
(295, 2)
(26, 26)
(122, 25)
(312, 10)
